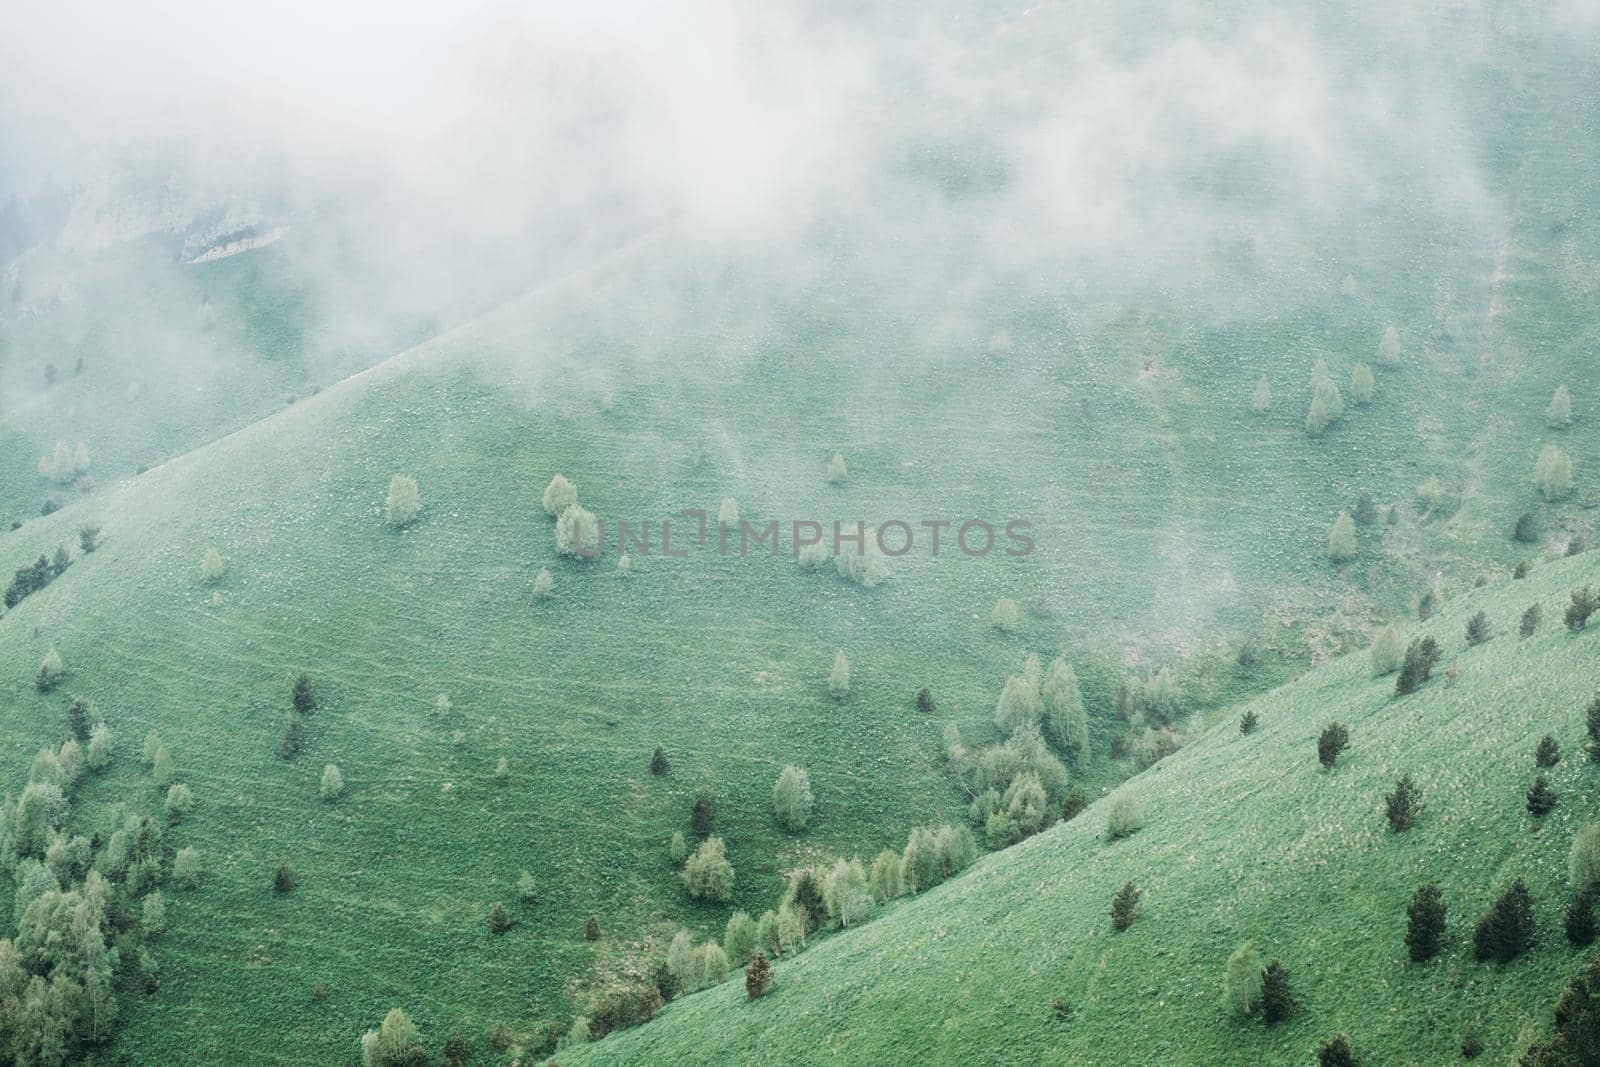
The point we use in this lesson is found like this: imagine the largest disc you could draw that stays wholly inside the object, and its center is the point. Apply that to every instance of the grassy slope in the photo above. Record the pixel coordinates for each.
(1246, 837)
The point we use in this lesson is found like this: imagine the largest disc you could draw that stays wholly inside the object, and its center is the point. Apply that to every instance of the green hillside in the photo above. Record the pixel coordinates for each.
(1245, 837)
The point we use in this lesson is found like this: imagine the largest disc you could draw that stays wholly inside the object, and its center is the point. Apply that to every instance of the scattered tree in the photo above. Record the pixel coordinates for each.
(289, 743)
(1335, 1052)
(1527, 529)
(1425, 923)
(884, 881)
(1365, 512)
(1335, 739)
(499, 919)
(304, 696)
(1242, 979)
(708, 874)
(88, 537)
(161, 768)
(1541, 798)
(791, 799)
(1277, 1000)
(179, 801)
(283, 877)
(1262, 400)
(1123, 817)
(332, 786)
(559, 495)
(1006, 615)
(1584, 601)
(1577, 1033)
(756, 976)
(395, 1043)
(1389, 348)
(1583, 861)
(1427, 605)
(727, 512)
(98, 757)
(1342, 538)
(1553, 473)
(1548, 754)
(1531, 619)
(1579, 922)
(577, 533)
(50, 672)
(739, 939)
(1506, 930)
(186, 868)
(1361, 383)
(658, 762)
(1403, 804)
(839, 677)
(1421, 655)
(527, 890)
(1477, 629)
(1326, 406)
(1249, 721)
(153, 920)
(404, 501)
(837, 471)
(543, 584)
(704, 813)
(1124, 906)
(1559, 413)
(591, 929)
(1388, 651)
(925, 700)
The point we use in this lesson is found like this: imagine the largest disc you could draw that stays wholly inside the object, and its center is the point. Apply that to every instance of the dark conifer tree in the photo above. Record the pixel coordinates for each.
(1124, 906)
(1425, 923)
(1277, 1001)
(1506, 930)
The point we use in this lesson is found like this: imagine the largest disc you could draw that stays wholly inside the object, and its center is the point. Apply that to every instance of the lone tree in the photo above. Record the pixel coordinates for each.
(1506, 930)
(1477, 629)
(304, 696)
(404, 501)
(1277, 1000)
(703, 816)
(1249, 721)
(1334, 740)
(1526, 530)
(591, 929)
(658, 762)
(925, 700)
(332, 785)
(1361, 384)
(1559, 413)
(839, 677)
(1548, 754)
(1388, 651)
(499, 919)
(1421, 655)
(1124, 906)
(707, 873)
(1402, 805)
(50, 672)
(1425, 923)
(1541, 798)
(283, 876)
(1342, 538)
(289, 743)
(1553, 473)
(757, 976)
(791, 799)
(1006, 615)
(1242, 979)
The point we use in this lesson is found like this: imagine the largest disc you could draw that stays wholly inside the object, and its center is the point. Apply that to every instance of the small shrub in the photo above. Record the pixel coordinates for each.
(1365, 512)
(1342, 538)
(1531, 619)
(1526, 530)
(179, 801)
(1124, 906)
(1542, 799)
(559, 495)
(658, 762)
(1248, 722)
(837, 471)
(50, 672)
(499, 919)
(1548, 754)
(544, 584)
(1388, 651)
(89, 537)
(677, 848)
(527, 890)
(1361, 384)
(1427, 605)
(1061, 1009)
(1402, 805)
(925, 700)
(591, 929)
(186, 869)
(1506, 930)
(1521, 570)
(1559, 413)
(1477, 629)
(304, 696)
(1073, 803)
(1471, 1046)
(1335, 739)
(1389, 348)
(1425, 923)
